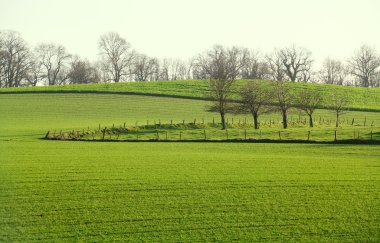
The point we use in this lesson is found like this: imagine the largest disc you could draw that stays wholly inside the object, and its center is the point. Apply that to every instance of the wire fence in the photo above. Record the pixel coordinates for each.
(240, 130)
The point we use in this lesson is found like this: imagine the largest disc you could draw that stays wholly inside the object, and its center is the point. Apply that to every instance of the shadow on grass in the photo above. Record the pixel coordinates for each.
(348, 141)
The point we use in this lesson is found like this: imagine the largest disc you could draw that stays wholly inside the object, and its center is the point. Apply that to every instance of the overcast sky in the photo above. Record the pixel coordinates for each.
(184, 28)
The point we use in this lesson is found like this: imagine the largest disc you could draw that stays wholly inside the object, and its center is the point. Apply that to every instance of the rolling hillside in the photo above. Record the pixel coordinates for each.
(83, 191)
(360, 98)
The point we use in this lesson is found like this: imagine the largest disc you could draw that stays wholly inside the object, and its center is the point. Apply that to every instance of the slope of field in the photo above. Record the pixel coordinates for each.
(35, 114)
(360, 98)
(80, 191)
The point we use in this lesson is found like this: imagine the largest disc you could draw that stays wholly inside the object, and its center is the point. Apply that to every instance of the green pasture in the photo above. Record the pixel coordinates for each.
(359, 98)
(35, 114)
(93, 191)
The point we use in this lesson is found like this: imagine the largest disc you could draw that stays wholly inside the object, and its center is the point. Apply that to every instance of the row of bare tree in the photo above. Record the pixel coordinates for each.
(51, 64)
(223, 66)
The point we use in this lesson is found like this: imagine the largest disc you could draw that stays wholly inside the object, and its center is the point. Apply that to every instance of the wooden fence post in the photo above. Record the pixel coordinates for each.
(204, 134)
(308, 136)
(157, 136)
(279, 134)
(166, 135)
(104, 133)
(335, 135)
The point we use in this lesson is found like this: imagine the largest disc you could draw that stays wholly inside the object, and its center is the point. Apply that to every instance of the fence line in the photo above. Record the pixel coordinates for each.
(113, 133)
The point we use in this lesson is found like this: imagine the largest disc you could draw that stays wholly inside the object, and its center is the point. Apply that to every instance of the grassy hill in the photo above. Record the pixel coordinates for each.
(81, 191)
(360, 98)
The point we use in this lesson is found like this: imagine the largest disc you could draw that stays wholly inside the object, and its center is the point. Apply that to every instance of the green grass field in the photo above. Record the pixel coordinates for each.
(56, 191)
(83, 191)
(360, 98)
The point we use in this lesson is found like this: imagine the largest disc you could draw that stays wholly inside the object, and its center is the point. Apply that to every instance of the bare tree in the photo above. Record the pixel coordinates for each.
(190, 64)
(338, 104)
(198, 72)
(117, 56)
(145, 68)
(82, 72)
(376, 80)
(222, 66)
(296, 61)
(308, 101)
(14, 59)
(3, 61)
(306, 74)
(177, 70)
(255, 67)
(275, 66)
(164, 70)
(54, 58)
(364, 65)
(35, 74)
(254, 97)
(333, 72)
(174, 69)
(284, 98)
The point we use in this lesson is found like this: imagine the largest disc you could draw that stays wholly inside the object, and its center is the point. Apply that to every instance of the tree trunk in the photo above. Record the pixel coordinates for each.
(284, 119)
(337, 119)
(223, 119)
(255, 120)
(311, 120)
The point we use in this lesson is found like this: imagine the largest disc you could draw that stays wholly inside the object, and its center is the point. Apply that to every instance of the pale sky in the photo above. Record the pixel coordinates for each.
(184, 28)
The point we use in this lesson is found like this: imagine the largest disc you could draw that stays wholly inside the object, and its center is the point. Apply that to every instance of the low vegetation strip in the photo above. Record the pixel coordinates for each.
(239, 132)
(360, 98)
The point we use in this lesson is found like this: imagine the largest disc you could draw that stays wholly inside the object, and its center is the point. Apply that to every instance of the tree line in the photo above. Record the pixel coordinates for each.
(52, 64)
(222, 66)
